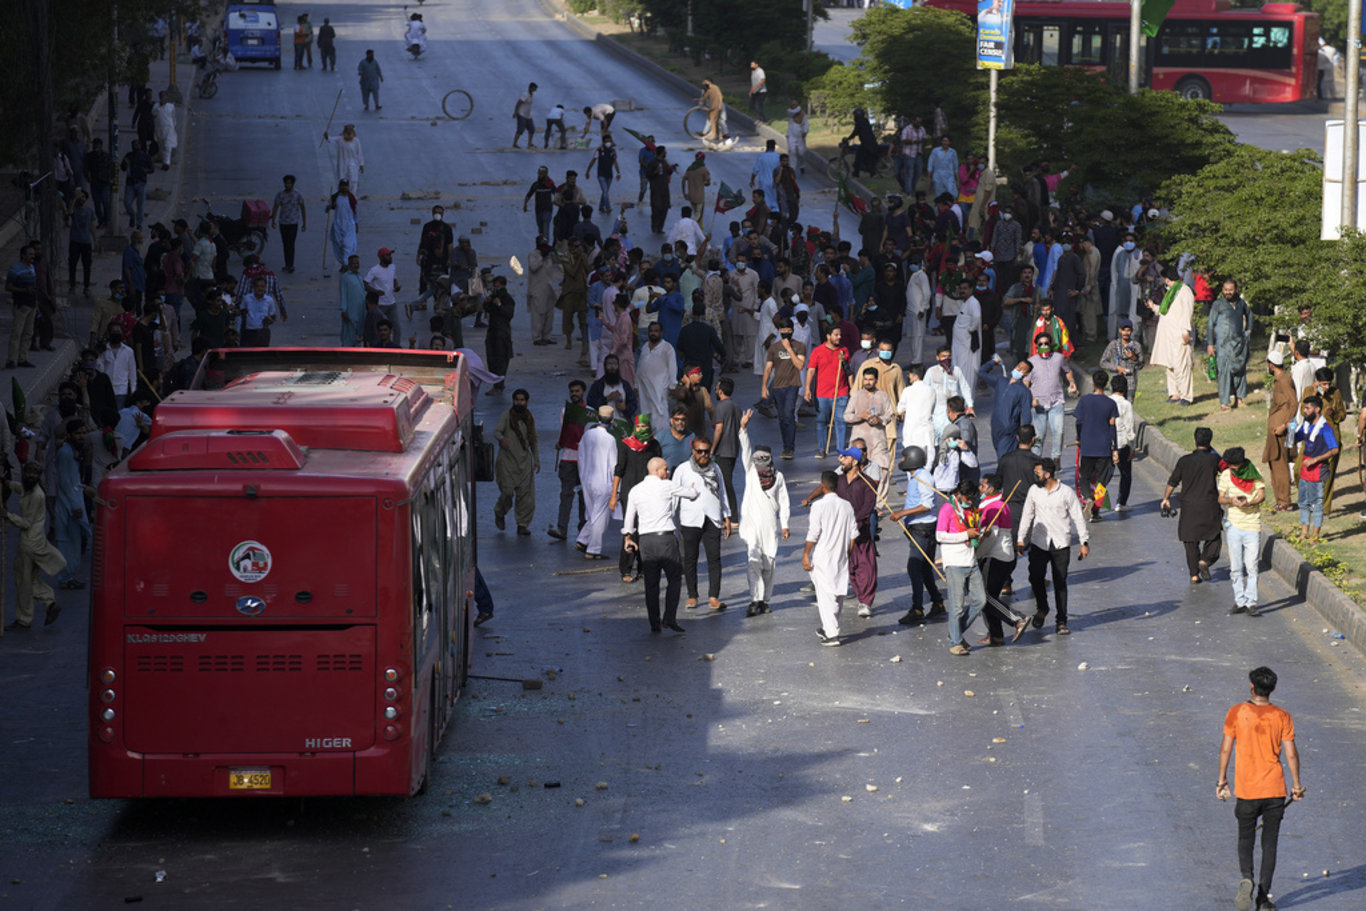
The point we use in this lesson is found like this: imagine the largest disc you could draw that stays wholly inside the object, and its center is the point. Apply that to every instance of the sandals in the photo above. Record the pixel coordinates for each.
(588, 556)
(959, 650)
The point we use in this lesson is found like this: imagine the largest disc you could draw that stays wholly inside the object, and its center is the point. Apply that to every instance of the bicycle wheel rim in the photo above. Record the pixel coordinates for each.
(457, 105)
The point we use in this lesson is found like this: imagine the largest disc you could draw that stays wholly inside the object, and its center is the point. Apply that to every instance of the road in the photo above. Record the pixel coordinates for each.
(738, 763)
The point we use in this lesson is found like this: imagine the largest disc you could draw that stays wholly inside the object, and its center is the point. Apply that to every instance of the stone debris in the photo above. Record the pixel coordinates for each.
(484, 798)
(505, 779)
(969, 693)
(870, 788)
(635, 837)
(846, 799)
(895, 659)
(1083, 666)
(998, 740)
(578, 801)
(601, 786)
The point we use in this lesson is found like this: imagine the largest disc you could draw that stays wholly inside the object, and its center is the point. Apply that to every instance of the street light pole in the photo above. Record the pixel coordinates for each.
(1135, 37)
(1350, 118)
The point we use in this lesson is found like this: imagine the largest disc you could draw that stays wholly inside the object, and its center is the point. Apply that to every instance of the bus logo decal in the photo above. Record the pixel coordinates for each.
(249, 562)
(250, 606)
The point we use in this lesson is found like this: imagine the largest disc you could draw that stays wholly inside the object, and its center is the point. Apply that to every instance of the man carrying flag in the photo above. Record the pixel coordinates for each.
(1242, 490)
(1097, 418)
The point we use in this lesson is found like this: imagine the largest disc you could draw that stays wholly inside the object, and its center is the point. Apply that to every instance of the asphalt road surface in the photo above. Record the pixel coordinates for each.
(739, 766)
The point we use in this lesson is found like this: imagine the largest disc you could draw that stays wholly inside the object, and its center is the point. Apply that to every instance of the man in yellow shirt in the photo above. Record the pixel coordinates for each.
(1260, 732)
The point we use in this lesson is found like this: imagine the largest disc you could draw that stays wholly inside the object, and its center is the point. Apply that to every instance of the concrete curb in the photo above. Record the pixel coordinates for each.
(1340, 612)
(558, 10)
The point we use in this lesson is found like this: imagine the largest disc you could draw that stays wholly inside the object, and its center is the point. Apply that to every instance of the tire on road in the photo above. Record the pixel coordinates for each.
(1194, 88)
(457, 104)
(695, 122)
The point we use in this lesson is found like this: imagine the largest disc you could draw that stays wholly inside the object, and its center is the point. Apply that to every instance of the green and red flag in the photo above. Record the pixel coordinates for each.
(856, 204)
(644, 140)
(727, 199)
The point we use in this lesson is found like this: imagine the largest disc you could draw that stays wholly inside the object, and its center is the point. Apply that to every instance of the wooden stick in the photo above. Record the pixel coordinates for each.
(930, 486)
(1003, 506)
(150, 388)
(906, 531)
(584, 572)
(831, 427)
(327, 230)
(328, 128)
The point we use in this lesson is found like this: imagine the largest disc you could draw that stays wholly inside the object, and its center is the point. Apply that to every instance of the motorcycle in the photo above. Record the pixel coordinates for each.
(246, 236)
(415, 38)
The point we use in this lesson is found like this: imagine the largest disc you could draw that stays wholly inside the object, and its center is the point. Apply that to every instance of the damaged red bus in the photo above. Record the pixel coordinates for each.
(283, 576)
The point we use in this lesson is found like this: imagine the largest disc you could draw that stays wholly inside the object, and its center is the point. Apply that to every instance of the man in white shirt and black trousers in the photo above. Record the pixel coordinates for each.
(649, 527)
(1052, 517)
(703, 521)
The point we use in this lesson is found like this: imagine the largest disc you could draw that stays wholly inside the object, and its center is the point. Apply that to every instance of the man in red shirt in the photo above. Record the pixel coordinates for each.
(1260, 732)
(828, 371)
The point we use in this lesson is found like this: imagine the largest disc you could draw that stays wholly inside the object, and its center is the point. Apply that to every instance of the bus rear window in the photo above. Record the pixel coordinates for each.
(1225, 45)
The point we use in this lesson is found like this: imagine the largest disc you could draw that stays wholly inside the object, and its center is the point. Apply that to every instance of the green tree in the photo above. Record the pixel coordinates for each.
(736, 30)
(1075, 116)
(1254, 216)
(1332, 20)
(909, 59)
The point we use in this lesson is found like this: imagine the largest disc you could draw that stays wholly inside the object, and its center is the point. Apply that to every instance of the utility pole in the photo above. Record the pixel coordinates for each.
(1135, 38)
(1350, 128)
(992, 77)
(40, 39)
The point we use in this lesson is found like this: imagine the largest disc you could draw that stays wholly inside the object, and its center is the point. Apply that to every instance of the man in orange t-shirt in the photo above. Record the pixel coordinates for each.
(1261, 732)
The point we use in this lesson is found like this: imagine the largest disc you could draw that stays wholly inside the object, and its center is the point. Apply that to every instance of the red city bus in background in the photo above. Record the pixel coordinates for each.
(1205, 49)
(283, 578)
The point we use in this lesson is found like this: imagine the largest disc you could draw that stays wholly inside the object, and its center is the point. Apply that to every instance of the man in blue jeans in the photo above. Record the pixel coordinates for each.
(956, 532)
(1049, 369)
(827, 385)
(1319, 445)
(1242, 490)
(783, 365)
(919, 518)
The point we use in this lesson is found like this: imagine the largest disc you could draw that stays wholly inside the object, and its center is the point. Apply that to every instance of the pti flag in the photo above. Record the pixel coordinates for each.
(1153, 12)
(727, 199)
(644, 140)
(856, 204)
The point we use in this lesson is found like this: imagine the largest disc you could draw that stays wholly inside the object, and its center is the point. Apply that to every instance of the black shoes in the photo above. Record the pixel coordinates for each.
(675, 627)
(936, 611)
(54, 610)
(913, 617)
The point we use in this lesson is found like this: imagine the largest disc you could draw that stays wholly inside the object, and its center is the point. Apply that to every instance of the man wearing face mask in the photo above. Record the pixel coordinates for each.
(1005, 247)
(605, 162)
(918, 301)
(434, 249)
(946, 379)
(745, 313)
(1014, 406)
(1124, 264)
(36, 554)
(1051, 521)
(783, 365)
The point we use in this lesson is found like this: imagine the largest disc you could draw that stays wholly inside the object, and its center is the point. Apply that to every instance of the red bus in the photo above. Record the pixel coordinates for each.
(283, 579)
(1205, 49)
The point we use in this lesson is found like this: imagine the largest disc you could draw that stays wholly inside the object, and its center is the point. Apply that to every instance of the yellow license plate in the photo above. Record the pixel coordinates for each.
(249, 780)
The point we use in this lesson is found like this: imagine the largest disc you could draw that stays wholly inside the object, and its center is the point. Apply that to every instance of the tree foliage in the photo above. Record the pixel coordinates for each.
(909, 59)
(738, 28)
(1117, 146)
(1254, 216)
(90, 50)
(1332, 20)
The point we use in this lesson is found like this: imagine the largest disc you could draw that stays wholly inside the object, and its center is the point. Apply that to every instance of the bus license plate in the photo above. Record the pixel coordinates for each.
(251, 41)
(249, 780)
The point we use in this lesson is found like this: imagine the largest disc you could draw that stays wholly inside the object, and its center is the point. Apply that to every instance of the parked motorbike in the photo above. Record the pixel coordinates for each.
(246, 236)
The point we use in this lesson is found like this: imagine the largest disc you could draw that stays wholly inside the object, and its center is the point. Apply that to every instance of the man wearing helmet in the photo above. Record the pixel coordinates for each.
(919, 517)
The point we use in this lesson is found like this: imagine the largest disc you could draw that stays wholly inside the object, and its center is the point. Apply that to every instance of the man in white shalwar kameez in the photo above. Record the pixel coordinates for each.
(915, 410)
(830, 535)
(947, 379)
(918, 298)
(163, 117)
(767, 333)
(969, 321)
(656, 374)
(1123, 291)
(764, 517)
(350, 158)
(597, 465)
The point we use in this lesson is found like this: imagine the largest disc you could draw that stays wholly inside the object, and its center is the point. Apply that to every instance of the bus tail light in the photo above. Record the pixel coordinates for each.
(391, 732)
(391, 675)
(107, 696)
(391, 694)
(107, 734)
(107, 676)
(107, 714)
(391, 712)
